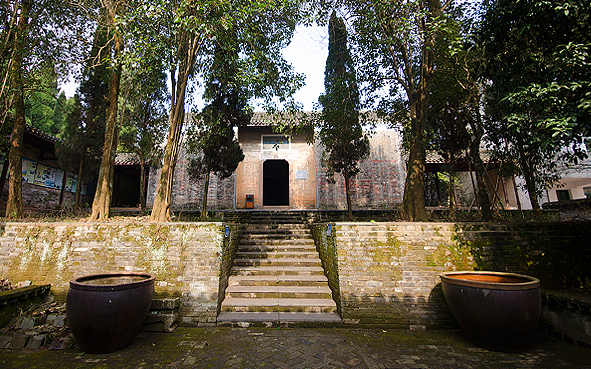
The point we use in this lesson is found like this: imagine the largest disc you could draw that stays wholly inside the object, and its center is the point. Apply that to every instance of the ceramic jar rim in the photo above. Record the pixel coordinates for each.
(78, 282)
(528, 283)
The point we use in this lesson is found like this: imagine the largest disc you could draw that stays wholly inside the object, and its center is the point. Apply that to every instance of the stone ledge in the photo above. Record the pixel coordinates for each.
(566, 317)
(19, 294)
(163, 316)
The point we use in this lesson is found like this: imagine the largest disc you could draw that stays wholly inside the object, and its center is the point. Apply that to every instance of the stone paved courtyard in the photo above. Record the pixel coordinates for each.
(306, 348)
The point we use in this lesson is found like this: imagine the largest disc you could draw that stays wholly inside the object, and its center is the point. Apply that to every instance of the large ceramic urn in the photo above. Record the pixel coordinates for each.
(497, 311)
(105, 311)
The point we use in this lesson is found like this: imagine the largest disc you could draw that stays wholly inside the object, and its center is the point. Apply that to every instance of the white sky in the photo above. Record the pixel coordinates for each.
(307, 53)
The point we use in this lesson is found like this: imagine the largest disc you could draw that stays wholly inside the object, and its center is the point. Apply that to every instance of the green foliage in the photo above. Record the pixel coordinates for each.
(213, 140)
(144, 128)
(52, 41)
(83, 132)
(539, 99)
(341, 131)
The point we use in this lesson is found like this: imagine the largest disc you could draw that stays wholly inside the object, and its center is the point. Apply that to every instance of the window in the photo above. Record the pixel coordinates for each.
(275, 142)
(563, 195)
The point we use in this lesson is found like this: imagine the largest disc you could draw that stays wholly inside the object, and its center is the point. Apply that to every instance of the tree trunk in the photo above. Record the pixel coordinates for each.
(528, 174)
(79, 184)
(163, 200)
(142, 183)
(452, 188)
(531, 187)
(516, 193)
(205, 192)
(63, 190)
(348, 192)
(14, 205)
(482, 191)
(414, 189)
(101, 205)
(187, 51)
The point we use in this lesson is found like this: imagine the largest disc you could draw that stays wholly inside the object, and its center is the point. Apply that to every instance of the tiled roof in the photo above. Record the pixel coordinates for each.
(127, 158)
(39, 133)
(262, 119)
(433, 157)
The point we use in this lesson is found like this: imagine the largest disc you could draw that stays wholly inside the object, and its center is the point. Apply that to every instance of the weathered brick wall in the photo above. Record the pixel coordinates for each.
(189, 260)
(389, 272)
(188, 194)
(325, 240)
(556, 253)
(379, 183)
(566, 317)
(48, 198)
(299, 156)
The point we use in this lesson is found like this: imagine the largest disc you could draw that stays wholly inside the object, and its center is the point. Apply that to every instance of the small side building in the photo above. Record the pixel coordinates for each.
(44, 184)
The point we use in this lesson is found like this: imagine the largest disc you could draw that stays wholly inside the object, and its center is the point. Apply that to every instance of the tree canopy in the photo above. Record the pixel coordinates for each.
(539, 99)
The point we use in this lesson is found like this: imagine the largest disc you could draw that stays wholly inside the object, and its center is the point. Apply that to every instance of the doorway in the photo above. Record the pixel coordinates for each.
(276, 183)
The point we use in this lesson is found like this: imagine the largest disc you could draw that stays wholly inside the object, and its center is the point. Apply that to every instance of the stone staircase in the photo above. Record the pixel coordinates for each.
(277, 276)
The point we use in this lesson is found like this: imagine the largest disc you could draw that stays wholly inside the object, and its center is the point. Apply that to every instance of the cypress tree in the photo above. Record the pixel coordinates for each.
(341, 131)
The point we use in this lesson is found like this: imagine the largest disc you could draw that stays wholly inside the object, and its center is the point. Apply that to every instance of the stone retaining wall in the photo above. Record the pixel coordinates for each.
(187, 258)
(380, 273)
(388, 273)
(566, 317)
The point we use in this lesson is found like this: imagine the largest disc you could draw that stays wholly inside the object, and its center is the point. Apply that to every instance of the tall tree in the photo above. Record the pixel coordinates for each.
(29, 37)
(213, 142)
(14, 206)
(263, 28)
(455, 121)
(59, 114)
(184, 44)
(341, 132)
(113, 13)
(143, 130)
(396, 48)
(539, 98)
(79, 149)
(84, 126)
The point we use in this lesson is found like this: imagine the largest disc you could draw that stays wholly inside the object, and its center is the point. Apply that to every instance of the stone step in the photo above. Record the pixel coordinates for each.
(278, 317)
(277, 275)
(279, 304)
(279, 262)
(278, 280)
(277, 248)
(277, 270)
(276, 254)
(274, 221)
(275, 218)
(269, 291)
(272, 236)
(278, 231)
(274, 242)
(287, 227)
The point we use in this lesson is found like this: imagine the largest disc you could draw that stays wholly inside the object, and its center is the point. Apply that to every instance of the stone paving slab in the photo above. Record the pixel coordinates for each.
(306, 348)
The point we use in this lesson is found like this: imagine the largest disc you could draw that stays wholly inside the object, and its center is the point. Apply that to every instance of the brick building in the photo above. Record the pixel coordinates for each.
(44, 184)
(285, 172)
